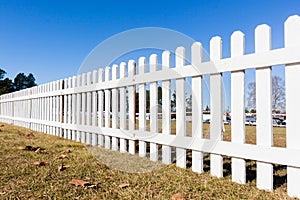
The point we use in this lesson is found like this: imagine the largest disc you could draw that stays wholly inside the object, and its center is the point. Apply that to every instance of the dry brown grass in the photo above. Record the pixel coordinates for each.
(21, 179)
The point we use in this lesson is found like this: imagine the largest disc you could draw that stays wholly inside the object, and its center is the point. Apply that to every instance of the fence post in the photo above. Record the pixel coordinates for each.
(216, 161)
(166, 109)
(292, 74)
(197, 124)
(180, 108)
(153, 108)
(264, 129)
(142, 107)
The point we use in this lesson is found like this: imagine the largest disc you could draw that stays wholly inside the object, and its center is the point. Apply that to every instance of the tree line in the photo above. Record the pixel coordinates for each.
(20, 82)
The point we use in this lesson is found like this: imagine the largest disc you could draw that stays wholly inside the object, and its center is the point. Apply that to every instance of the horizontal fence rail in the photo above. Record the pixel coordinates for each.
(98, 108)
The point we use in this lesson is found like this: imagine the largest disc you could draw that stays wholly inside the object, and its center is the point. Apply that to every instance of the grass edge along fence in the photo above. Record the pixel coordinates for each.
(68, 108)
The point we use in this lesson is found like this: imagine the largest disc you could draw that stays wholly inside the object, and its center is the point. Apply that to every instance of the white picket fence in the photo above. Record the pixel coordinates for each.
(72, 108)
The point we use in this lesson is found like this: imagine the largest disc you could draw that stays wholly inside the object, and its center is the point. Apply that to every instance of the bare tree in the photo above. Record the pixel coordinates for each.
(251, 96)
(278, 95)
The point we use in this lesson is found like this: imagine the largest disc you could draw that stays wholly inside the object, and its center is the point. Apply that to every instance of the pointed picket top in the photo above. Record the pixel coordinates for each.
(292, 31)
(237, 43)
(196, 53)
(263, 38)
(153, 62)
(216, 48)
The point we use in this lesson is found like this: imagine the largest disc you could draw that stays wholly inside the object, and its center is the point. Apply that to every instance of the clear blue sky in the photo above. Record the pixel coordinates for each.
(51, 38)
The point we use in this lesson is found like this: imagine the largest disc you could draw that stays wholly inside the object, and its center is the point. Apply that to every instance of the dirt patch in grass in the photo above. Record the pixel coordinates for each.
(21, 179)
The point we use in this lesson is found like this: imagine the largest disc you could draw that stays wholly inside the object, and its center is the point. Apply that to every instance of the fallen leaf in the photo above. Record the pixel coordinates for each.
(40, 163)
(20, 133)
(177, 196)
(63, 167)
(68, 151)
(124, 185)
(30, 135)
(79, 182)
(62, 156)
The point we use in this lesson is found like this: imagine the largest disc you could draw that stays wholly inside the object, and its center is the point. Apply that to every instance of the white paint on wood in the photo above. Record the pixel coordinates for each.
(238, 107)
(89, 109)
(197, 124)
(123, 143)
(73, 108)
(94, 108)
(83, 108)
(107, 108)
(100, 108)
(292, 74)
(180, 107)
(115, 103)
(142, 106)
(264, 129)
(216, 124)
(131, 104)
(78, 109)
(166, 108)
(153, 108)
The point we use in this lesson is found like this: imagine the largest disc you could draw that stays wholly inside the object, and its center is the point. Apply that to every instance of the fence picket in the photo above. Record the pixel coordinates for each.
(114, 140)
(123, 142)
(78, 108)
(264, 129)
(131, 105)
(197, 124)
(142, 107)
(100, 108)
(83, 108)
(238, 107)
(216, 134)
(166, 109)
(69, 108)
(107, 108)
(94, 108)
(153, 108)
(73, 108)
(292, 74)
(180, 107)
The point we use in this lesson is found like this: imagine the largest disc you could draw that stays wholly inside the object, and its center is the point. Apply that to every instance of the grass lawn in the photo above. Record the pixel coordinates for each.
(21, 179)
